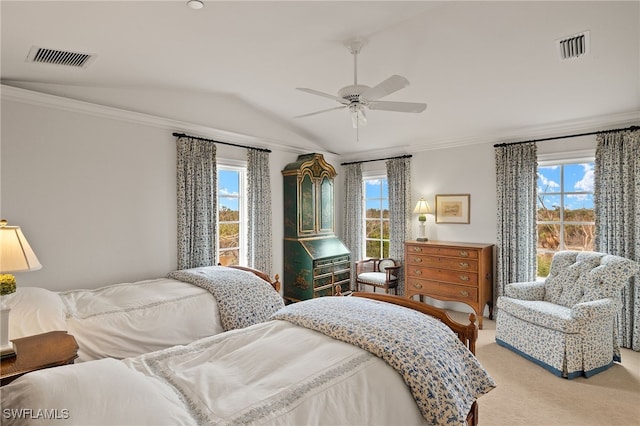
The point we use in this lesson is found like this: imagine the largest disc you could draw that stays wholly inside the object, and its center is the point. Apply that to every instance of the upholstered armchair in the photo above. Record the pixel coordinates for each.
(376, 272)
(566, 324)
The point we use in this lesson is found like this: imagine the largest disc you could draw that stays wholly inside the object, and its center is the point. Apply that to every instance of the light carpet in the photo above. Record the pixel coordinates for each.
(527, 394)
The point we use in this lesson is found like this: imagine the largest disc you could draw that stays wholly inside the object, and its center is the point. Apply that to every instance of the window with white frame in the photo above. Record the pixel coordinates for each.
(232, 221)
(376, 217)
(565, 212)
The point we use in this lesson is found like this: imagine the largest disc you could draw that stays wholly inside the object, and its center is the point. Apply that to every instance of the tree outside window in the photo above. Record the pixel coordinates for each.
(565, 211)
(376, 204)
(231, 223)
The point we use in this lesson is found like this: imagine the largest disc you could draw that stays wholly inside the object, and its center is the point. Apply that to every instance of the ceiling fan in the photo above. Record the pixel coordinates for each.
(357, 98)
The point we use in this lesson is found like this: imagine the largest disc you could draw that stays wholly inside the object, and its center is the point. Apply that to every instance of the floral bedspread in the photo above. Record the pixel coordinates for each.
(443, 375)
(243, 298)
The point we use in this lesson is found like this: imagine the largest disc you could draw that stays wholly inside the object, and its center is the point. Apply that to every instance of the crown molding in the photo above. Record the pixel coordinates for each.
(540, 132)
(73, 105)
(592, 124)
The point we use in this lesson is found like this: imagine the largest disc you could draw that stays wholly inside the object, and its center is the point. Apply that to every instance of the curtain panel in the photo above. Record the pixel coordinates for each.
(617, 209)
(259, 238)
(353, 220)
(516, 176)
(399, 181)
(196, 180)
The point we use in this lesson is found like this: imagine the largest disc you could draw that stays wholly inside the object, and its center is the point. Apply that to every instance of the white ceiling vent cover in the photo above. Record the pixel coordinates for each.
(60, 57)
(574, 46)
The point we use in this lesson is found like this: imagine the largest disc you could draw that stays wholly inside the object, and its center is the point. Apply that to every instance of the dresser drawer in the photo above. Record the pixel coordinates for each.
(442, 262)
(455, 277)
(443, 251)
(442, 290)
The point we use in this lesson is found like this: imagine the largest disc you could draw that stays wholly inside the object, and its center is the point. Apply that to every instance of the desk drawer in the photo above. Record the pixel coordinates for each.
(442, 290)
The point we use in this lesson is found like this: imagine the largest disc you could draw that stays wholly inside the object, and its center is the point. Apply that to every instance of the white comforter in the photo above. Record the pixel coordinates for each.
(272, 373)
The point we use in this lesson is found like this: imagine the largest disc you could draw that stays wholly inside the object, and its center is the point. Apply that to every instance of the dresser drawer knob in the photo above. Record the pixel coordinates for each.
(463, 264)
(463, 277)
(417, 272)
(417, 249)
(417, 285)
(463, 253)
(417, 259)
(464, 293)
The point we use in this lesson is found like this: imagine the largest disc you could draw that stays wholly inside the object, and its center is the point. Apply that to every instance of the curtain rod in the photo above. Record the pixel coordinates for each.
(378, 159)
(182, 135)
(568, 136)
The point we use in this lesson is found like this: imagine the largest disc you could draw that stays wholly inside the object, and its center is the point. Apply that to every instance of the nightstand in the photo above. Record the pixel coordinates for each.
(37, 352)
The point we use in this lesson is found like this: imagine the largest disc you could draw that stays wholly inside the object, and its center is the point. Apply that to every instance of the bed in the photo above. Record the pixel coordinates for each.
(129, 319)
(362, 359)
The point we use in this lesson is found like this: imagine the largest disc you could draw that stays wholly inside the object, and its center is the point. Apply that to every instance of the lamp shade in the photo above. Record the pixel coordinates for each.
(422, 207)
(15, 252)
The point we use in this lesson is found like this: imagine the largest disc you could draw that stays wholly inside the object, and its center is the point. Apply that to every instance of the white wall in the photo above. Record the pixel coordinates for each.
(96, 196)
(466, 170)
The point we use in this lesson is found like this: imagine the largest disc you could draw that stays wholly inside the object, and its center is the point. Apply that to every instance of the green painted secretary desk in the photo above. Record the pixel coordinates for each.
(315, 260)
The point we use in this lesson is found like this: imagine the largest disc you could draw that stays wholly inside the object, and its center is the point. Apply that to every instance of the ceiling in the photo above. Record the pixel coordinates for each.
(488, 71)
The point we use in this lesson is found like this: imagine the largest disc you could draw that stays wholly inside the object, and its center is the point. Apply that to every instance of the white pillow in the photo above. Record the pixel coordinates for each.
(35, 310)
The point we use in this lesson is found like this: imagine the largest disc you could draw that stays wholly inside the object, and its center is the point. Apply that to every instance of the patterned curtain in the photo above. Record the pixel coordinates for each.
(516, 176)
(197, 205)
(353, 220)
(617, 208)
(259, 211)
(399, 180)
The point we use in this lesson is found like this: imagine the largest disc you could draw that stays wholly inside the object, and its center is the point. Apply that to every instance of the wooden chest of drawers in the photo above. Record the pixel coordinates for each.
(461, 272)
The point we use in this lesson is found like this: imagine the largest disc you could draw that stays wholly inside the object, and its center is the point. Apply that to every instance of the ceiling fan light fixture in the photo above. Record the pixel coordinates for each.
(195, 4)
(358, 116)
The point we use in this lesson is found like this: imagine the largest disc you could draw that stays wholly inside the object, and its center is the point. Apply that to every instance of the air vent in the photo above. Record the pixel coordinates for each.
(574, 46)
(59, 57)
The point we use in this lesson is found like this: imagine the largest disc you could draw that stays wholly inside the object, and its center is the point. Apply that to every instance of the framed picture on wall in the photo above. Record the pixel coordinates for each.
(453, 208)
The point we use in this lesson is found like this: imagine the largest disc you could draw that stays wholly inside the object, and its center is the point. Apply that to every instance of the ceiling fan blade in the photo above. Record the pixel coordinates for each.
(326, 95)
(387, 87)
(320, 112)
(398, 106)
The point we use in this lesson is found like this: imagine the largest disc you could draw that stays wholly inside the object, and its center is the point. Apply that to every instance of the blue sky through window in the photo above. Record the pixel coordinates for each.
(228, 189)
(376, 194)
(577, 178)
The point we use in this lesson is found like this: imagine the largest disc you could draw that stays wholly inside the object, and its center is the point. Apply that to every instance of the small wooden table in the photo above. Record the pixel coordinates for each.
(37, 352)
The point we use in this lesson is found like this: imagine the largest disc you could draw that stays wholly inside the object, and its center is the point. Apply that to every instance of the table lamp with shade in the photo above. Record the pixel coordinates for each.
(16, 255)
(422, 208)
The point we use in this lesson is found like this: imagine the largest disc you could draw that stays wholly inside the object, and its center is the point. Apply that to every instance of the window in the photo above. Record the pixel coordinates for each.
(376, 217)
(231, 215)
(565, 212)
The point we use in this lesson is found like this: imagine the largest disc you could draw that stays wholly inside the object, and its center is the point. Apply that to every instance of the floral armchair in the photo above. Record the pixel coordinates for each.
(566, 324)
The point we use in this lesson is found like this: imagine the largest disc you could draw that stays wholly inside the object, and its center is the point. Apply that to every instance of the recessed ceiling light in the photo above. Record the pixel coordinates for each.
(195, 4)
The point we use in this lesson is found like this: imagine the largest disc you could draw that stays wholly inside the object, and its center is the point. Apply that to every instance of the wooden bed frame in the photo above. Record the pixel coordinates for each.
(275, 283)
(468, 334)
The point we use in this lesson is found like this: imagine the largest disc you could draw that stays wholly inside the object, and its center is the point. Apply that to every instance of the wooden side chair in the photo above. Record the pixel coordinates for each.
(383, 273)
